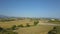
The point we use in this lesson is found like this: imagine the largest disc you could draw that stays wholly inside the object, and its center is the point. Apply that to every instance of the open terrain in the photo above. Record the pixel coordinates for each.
(40, 28)
(35, 30)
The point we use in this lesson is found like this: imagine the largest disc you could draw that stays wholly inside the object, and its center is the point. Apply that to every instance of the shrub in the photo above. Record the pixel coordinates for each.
(53, 31)
(15, 32)
(7, 31)
(20, 25)
(27, 25)
(36, 22)
(1, 29)
(14, 27)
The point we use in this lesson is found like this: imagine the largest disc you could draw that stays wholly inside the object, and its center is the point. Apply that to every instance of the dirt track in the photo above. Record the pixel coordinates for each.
(49, 24)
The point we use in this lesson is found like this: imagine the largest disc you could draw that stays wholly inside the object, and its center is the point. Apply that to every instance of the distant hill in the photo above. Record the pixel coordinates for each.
(3, 16)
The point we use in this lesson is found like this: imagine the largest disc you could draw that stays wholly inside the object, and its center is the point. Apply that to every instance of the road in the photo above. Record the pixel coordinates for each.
(49, 24)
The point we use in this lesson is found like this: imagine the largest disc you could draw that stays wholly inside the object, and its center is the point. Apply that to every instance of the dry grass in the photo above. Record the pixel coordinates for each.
(11, 23)
(58, 29)
(27, 30)
(35, 30)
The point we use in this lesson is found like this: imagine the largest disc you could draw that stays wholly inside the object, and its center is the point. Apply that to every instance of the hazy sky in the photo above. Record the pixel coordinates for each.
(30, 8)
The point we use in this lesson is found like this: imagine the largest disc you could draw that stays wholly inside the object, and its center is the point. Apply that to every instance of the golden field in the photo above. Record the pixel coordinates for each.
(39, 29)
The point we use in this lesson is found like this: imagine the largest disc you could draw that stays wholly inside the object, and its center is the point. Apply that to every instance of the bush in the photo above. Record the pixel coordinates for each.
(27, 25)
(14, 27)
(1, 29)
(7, 31)
(15, 32)
(20, 25)
(6, 20)
(36, 22)
(53, 31)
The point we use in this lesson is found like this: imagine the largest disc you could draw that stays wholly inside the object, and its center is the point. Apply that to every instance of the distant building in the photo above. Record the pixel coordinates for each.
(53, 19)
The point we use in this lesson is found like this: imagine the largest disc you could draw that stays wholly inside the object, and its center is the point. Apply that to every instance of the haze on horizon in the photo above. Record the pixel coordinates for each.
(30, 8)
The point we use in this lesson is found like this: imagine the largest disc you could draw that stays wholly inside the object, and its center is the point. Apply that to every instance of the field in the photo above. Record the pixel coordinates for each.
(17, 22)
(38, 29)
(58, 29)
(35, 30)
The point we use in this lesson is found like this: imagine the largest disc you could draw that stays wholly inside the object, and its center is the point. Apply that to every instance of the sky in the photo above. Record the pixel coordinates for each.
(30, 8)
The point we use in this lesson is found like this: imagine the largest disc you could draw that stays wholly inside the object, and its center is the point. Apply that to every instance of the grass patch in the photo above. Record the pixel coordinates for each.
(58, 29)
